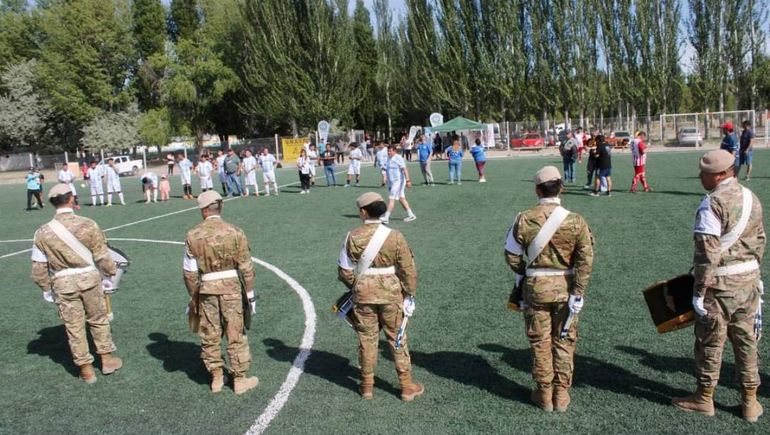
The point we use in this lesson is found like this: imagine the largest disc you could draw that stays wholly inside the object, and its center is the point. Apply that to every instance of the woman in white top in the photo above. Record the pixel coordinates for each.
(303, 167)
(312, 155)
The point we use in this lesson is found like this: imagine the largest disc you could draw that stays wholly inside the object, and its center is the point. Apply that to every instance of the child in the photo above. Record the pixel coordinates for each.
(639, 155)
(268, 163)
(480, 158)
(165, 188)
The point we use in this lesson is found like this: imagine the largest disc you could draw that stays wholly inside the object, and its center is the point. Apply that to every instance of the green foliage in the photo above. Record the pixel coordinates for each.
(112, 131)
(24, 114)
(149, 27)
(154, 127)
(185, 20)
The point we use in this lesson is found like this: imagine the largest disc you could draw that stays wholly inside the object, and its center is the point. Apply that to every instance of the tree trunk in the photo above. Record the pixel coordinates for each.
(294, 128)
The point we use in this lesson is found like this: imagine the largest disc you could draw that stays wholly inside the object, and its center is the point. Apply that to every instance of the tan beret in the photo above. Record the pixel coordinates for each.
(207, 198)
(546, 174)
(59, 189)
(368, 198)
(716, 161)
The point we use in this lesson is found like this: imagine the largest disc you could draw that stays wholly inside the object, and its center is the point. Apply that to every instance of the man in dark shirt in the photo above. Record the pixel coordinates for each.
(328, 157)
(603, 166)
(745, 151)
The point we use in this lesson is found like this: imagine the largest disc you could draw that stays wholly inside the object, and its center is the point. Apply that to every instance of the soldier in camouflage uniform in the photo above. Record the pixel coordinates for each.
(217, 268)
(383, 294)
(553, 286)
(729, 244)
(76, 285)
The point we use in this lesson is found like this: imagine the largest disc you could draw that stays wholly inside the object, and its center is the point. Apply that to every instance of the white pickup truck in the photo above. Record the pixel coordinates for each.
(125, 165)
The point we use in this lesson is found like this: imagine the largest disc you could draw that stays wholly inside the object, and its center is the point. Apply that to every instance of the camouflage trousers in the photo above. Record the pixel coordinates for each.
(552, 357)
(217, 312)
(81, 307)
(730, 315)
(368, 320)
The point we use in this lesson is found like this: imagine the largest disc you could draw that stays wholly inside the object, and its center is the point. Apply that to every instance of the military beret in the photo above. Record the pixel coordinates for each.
(207, 198)
(716, 161)
(368, 198)
(58, 190)
(546, 174)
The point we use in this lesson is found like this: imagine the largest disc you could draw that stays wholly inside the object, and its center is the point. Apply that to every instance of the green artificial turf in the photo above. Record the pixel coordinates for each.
(469, 351)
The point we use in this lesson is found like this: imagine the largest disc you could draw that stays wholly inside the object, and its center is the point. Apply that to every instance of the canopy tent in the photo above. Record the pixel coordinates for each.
(458, 124)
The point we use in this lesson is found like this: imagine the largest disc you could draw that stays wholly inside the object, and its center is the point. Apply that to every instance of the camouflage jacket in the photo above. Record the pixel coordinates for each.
(717, 215)
(51, 254)
(378, 289)
(571, 247)
(215, 246)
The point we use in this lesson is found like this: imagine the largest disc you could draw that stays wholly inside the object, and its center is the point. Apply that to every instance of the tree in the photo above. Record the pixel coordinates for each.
(85, 61)
(19, 32)
(184, 19)
(111, 131)
(154, 127)
(149, 30)
(364, 112)
(24, 114)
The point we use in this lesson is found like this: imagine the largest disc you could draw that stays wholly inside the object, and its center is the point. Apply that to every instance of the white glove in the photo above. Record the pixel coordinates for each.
(697, 304)
(48, 296)
(523, 305)
(107, 285)
(409, 306)
(575, 303)
(187, 310)
(252, 301)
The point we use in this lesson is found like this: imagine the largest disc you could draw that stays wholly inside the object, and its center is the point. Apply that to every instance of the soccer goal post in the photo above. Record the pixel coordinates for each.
(676, 127)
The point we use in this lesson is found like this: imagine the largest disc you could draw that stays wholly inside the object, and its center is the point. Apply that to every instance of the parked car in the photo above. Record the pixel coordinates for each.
(125, 165)
(517, 140)
(689, 136)
(619, 139)
(533, 140)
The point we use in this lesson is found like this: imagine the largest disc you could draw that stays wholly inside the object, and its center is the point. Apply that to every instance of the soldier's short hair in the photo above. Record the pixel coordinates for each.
(215, 207)
(550, 189)
(376, 209)
(59, 200)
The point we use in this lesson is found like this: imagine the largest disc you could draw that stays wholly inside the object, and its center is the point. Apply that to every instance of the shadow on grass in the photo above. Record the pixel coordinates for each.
(52, 342)
(675, 364)
(472, 370)
(325, 365)
(178, 356)
(677, 192)
(598, 374)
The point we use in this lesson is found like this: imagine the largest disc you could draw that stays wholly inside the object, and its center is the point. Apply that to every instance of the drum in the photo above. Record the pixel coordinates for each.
(670, 303)
(343, 308)
(122, 262)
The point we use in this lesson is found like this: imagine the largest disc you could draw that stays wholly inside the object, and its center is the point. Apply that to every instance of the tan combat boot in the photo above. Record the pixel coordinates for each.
(110, 364)
(217, 380)
(702, 401)
(409, 389)
(750, 406)
(561, 398)
(542, 396)
(367, 387)
(243, 384)
(87, 374)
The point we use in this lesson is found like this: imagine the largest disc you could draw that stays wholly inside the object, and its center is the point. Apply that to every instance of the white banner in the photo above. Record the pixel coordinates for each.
(323, 132)
(436, 119)
(412, 133)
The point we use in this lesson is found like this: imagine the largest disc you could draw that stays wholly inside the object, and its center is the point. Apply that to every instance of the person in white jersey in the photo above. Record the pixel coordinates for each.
(67, 177)
(250, 170)
(219, 165)
(354, 168)
(205, 168)
(185, 172)
(113, 182)
(381, 159)
(398, 181)
(95, 183)
(267, 162)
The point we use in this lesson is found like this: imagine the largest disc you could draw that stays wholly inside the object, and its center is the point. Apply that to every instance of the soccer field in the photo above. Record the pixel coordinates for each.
(467, 348)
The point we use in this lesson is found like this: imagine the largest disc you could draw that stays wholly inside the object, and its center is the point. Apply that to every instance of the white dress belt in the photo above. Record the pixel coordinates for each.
(222, 274)
(390, 270)
(73, 271)
(738, 268)
(547, 271)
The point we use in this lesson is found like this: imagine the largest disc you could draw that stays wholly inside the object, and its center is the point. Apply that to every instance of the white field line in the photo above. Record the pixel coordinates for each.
(308, 337)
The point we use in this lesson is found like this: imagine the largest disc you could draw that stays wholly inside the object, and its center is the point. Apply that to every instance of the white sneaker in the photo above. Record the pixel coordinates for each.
(483, 180)
(410, 218)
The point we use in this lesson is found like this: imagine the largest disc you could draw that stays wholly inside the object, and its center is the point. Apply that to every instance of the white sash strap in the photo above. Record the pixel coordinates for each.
(223, 274)
(372, 249)
(70, 240)
(738, 269)
(73, 271)
(546, 233)
(549, 272)
(391, 270)
(729, 239)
